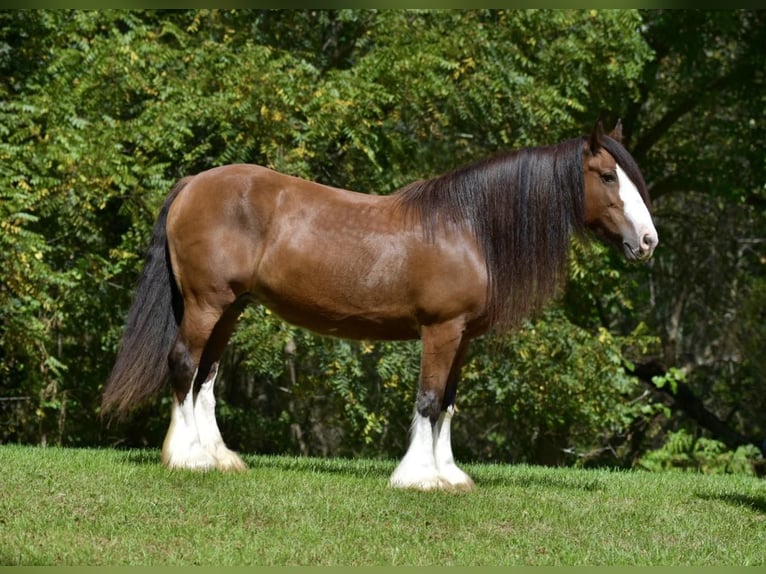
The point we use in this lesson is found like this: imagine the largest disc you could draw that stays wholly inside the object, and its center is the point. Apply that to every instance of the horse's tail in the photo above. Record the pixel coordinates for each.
(141, 368)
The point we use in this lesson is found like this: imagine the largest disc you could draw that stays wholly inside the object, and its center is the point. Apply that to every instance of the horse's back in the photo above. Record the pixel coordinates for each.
(226, 189)
(253, 190)
(258, 231)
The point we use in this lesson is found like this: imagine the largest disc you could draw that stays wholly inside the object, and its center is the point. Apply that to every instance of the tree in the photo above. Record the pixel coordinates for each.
(698, 132)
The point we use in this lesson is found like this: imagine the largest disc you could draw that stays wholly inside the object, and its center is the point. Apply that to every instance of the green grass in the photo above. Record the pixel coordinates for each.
(108, 507)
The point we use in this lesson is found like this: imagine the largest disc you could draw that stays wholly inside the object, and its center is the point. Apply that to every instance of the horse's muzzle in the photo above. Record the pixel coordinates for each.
(644, 250)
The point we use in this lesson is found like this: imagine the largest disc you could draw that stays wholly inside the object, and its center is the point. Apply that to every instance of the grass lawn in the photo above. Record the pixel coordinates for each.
(109, 507)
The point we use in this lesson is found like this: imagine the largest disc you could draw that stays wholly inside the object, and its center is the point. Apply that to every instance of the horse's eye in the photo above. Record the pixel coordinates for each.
(609, 177)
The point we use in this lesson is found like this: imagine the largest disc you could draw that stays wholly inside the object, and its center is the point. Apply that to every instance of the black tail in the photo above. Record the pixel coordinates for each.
(141, 368)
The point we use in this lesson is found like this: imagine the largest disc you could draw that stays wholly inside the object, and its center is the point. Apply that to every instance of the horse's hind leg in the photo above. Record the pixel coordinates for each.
(194, 440)
(182, 447)
(204, 405)
(209, 435)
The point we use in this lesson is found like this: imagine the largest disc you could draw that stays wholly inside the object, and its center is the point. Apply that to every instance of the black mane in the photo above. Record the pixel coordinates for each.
(523, 207)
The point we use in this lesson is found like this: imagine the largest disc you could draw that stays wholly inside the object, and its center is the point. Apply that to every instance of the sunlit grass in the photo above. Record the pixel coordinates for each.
(107, 507)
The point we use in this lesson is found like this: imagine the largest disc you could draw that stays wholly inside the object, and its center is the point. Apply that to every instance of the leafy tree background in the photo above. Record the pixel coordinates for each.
(101, 111)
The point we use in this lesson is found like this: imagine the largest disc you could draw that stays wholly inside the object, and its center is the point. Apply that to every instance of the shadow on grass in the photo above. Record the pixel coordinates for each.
(754, 503)
(522, 477)
(141, 457)
(525, 481)
(348, 467)
(341, 466)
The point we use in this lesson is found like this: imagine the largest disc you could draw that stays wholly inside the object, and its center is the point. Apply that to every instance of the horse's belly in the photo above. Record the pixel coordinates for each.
(342, 320)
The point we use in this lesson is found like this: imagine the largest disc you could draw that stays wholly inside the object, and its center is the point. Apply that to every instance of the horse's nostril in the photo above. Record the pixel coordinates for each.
(648, 241)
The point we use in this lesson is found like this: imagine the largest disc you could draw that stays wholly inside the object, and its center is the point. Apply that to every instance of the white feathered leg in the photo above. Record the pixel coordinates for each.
(417, 470)
(429, 463)
(207, 426)
(445, 462)
(182, 447)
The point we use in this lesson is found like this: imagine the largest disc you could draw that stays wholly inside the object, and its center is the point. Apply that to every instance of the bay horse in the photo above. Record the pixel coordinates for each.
(444, 260)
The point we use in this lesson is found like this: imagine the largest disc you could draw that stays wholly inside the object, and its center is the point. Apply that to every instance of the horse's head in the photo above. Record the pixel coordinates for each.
(616, 200)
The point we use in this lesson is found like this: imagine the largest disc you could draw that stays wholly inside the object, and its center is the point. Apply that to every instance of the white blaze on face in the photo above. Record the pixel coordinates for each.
(642, 238)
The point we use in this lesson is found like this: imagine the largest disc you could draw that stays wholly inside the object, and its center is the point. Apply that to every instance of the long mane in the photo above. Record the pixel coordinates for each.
(523, 208)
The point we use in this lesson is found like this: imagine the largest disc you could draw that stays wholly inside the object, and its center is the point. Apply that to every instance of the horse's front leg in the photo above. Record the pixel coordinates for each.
(428, 463)
(449, 472)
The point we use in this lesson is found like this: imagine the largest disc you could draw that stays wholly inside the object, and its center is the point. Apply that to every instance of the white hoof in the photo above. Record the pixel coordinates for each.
(229, 461)
(196, 459)
(424, 483)
(456, 479)
(414, 474)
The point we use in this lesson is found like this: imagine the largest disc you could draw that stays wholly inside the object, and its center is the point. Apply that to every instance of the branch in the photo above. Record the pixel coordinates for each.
(685, 400)
(697, 95)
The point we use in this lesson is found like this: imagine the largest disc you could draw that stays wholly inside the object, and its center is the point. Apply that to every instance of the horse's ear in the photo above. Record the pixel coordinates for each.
(616, 133)
(595, 137)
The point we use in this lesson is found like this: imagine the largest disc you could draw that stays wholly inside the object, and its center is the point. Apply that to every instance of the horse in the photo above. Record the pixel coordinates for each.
(445, 260)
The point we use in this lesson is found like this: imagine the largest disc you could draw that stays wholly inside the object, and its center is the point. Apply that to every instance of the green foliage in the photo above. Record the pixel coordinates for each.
(670, 379)
(685, 452)
(331, 395)
(550, 393)
(703, 103)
